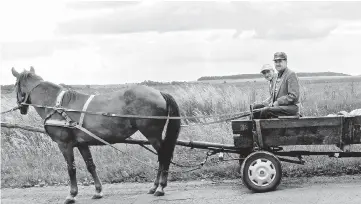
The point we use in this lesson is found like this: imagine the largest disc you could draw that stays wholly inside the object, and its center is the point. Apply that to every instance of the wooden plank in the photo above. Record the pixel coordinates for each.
(201, 145)
(241, 126)
(356, 120)
(293, 136)
(303, 136)
(192, 144)
(242, 141)
(259, 134)
(301, 122)
(356, 129)
(356, 134)
(346, 131)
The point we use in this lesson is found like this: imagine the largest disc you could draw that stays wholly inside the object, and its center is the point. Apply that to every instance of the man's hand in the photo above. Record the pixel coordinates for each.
(276, 103)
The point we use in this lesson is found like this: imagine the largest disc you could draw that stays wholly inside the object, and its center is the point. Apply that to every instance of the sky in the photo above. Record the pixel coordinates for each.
(112, 42)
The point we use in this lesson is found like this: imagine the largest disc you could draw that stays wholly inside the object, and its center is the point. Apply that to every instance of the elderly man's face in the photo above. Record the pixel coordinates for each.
(268, 74)
(280, 64)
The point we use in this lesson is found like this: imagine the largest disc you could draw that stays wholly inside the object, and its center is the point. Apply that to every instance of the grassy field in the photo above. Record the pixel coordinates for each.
(29, 159)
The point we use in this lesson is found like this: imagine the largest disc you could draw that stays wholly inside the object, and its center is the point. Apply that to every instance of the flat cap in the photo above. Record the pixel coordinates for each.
(280, 56)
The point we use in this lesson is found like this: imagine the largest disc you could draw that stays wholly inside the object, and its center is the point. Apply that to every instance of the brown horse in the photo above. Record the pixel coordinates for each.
(138, 100)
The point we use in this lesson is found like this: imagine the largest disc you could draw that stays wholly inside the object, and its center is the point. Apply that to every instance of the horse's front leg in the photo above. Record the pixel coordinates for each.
(68, 154)
(87, 156)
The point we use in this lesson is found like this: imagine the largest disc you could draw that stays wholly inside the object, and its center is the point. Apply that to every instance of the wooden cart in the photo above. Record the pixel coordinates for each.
(260, 143)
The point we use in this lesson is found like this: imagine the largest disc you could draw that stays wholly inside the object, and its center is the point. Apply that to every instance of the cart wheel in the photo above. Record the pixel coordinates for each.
(261, 171)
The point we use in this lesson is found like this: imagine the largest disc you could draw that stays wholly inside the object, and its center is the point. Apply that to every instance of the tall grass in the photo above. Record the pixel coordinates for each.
(29, 158)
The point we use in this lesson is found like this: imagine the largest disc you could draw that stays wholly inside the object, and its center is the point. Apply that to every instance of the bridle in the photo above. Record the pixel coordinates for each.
(24, 96)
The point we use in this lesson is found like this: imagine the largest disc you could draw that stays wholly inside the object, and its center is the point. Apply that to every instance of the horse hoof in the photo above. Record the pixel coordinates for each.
(152, 190)
(97, 196)
(159, 193)
(69, 200)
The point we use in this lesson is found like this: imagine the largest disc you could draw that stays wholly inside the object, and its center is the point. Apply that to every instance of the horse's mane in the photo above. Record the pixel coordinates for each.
(72, 95)
(25, 75)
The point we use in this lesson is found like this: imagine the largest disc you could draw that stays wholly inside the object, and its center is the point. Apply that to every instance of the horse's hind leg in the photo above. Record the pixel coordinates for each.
(154, 136)
(68, 154)
(164, 162)
(165, 152)
(87, 156)
(155, 142)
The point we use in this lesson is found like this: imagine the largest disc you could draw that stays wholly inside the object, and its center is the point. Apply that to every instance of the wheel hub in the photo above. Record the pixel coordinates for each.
(262, 172)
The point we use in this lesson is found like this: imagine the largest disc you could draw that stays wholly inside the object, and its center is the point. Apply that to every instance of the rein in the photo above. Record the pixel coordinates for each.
(22, 103)
(13, 109)
(232, 115)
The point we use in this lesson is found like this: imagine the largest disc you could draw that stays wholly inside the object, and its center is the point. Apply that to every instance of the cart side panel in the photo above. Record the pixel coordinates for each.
(302, 131)
(242, 133)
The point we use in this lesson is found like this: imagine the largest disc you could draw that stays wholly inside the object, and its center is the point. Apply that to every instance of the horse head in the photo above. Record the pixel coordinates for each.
(26, 81)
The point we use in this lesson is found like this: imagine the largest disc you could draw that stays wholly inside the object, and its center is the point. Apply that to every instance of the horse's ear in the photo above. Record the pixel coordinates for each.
(15, 73)
(32, 70)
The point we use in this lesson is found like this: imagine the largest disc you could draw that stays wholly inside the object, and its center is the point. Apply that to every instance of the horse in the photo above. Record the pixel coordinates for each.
(31, 89)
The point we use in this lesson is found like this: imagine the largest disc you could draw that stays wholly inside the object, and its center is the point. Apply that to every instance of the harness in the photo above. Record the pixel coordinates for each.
(68, 122)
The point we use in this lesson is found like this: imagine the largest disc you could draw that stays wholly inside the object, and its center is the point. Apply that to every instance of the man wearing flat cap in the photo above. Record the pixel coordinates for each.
(285, 91)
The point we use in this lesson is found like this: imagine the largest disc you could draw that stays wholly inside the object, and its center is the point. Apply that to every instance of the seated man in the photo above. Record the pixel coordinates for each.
(269, 74)
(285, 91)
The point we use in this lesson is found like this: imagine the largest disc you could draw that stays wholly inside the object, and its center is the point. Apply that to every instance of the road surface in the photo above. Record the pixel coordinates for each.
(317, 190)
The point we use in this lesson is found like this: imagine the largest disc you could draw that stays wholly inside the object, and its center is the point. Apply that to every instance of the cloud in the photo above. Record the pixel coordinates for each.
(281, 20)
(39, 48)
(302, 30)
(100, 4)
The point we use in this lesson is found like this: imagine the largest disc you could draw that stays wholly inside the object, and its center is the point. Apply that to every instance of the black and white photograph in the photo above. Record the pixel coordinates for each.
(180, 102)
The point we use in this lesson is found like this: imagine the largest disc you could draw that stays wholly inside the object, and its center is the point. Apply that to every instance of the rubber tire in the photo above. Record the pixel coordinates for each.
(261, 155)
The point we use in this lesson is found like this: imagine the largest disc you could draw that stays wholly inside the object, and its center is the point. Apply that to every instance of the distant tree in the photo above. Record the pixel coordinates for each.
(156, 83)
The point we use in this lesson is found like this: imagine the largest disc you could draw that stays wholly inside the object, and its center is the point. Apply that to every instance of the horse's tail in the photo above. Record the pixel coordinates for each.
(173, 128)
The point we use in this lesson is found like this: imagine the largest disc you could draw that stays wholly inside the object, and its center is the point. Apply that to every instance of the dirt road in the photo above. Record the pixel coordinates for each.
(327, 190)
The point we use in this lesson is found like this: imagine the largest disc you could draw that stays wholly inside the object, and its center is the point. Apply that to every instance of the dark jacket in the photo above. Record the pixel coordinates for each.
(287, 89)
